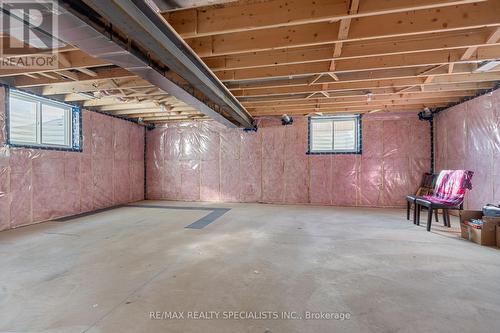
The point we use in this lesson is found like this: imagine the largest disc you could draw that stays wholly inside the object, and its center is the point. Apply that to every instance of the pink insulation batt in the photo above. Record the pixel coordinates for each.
(468, 137)
(38, 185)
(203, 161)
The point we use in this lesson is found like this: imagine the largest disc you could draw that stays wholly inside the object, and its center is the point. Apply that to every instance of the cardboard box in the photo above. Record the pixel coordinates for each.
(498, 236)
(487, 235)
(467, 215)
(464, 231)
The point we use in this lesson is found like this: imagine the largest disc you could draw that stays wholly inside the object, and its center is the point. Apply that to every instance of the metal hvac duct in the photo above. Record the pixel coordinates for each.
(94, 27)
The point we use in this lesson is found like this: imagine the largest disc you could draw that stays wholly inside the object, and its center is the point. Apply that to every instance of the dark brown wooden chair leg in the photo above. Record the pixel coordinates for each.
(416, 214)
(436, 214)
(447, 213)
(445, 220)
(408, 206)
(429, 219)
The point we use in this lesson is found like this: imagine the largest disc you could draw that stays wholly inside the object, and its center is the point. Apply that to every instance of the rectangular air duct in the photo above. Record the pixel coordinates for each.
(87, 26)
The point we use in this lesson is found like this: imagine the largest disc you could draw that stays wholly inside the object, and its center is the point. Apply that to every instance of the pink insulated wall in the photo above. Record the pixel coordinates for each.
(204, 161)
(468, 137)
(38, 185)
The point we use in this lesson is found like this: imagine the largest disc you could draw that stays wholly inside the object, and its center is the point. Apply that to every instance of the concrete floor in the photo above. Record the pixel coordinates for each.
(107, 272)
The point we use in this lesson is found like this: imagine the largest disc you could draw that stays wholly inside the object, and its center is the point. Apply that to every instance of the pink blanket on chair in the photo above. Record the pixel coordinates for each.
(451, 186)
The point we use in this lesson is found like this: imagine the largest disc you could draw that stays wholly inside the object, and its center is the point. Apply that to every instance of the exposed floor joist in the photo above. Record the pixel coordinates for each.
(451, 18)
(333, 55)
(358, 49)
(370, 84)
(402, 51)
(246, 16)
(369, 63)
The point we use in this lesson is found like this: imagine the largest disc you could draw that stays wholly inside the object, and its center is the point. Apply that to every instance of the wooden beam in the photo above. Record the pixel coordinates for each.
(450, 67)
(64, 60)
(395, 73)
(492, 39)
(49, 76)
(375, 91)
(249, 16)
(430, 78)
(163, 98)
(368, 63)
(101, 74)
(387, 83)
(75, 97)
(357, 49)
(93, 85)
(353, 109)
(155, 113)
(166, 111)
(73, 60)
(171, 120)
(88, 72)
(68, 75)
(383, 26)
(33, 76)
(129, 106)
(319, 106)
(370, 75)
(344, 29)
(363, 98)
(432, 70)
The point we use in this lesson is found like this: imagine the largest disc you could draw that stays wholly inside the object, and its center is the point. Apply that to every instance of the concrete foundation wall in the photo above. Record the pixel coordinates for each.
(468, 137)
(203, 161)
(38, 185)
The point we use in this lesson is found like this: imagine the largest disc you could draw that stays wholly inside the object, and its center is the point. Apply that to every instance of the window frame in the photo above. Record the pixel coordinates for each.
(73, 122)
(358, 135)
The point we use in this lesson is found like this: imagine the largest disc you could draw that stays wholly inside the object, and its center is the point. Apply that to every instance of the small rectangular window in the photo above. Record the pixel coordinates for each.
(38, 122)
(335, 135)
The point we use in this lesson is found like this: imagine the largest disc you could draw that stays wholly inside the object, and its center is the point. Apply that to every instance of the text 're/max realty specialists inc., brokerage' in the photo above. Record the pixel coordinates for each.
(248, 315)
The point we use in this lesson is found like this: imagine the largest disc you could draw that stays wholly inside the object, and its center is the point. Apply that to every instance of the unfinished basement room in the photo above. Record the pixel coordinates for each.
(254, 166)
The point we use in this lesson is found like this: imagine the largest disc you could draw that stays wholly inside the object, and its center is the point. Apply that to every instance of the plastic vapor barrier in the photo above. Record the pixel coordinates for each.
(468, 137)
(38, 185)
(204, 161)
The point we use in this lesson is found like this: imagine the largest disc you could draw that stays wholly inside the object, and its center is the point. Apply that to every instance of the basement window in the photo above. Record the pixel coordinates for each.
(335, 135)
(38, 122)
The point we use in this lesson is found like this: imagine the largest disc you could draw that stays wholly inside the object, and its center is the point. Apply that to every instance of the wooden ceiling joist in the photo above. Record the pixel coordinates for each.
(156, 119)
(351, 109)
(353, 65)
(301, 57)
(358, 49)
(374, 104)
(94, 85)
(99, 74)
(241, 16)
(87, 71)
(462, 70)
(375, 91)
(395, 83)
(444, 19)
(493, 38)
(395, 73)
(105, 101)
(72, 60)
(352, 99)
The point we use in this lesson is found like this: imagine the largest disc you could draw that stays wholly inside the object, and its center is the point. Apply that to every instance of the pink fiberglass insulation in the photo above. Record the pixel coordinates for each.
(468, 137)
(207, 162)
(38, 185)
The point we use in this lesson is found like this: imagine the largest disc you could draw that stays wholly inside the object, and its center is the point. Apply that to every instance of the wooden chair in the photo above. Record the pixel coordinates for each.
(426, 188)
(449, 193)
